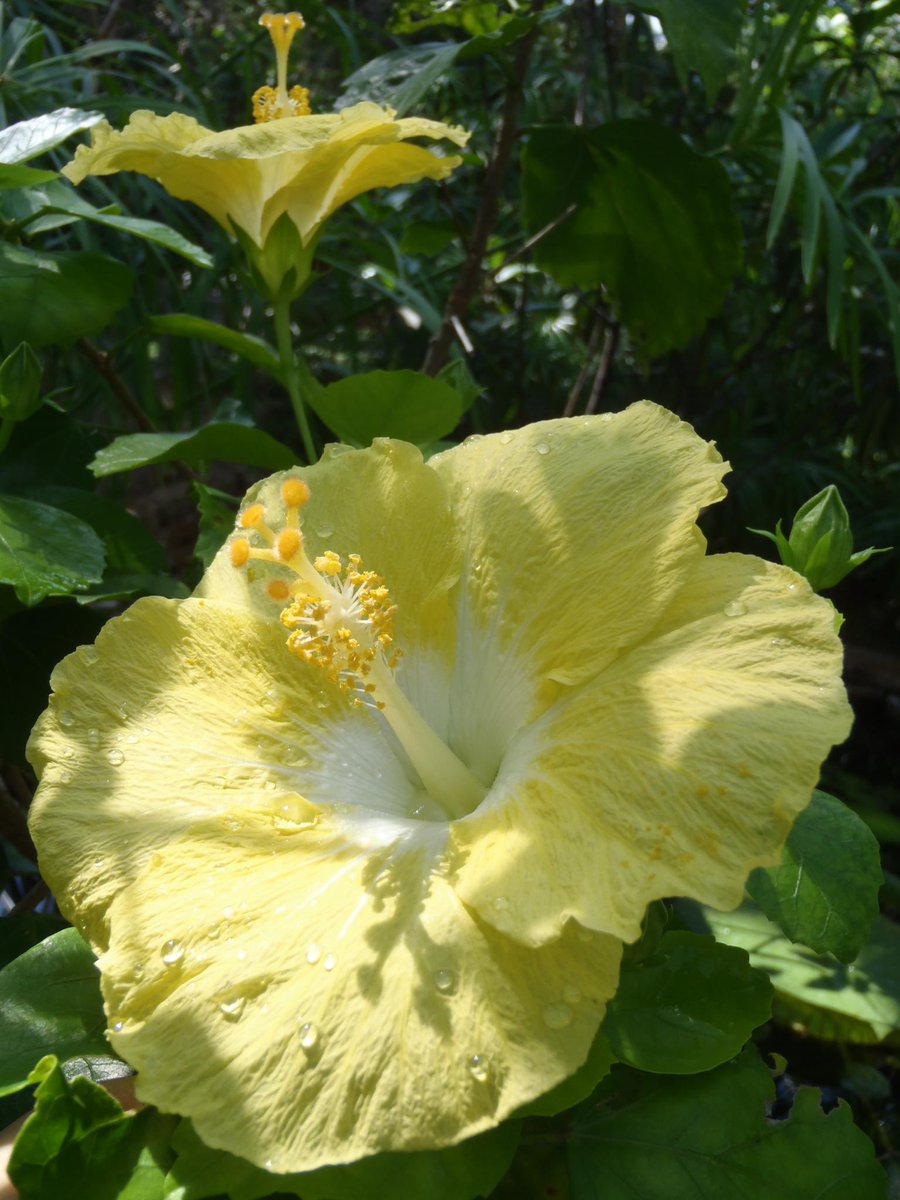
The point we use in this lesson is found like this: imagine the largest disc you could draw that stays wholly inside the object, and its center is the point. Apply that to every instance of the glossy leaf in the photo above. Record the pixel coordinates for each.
(49, 1004)
(44, 551)
(640, 214)
(472, 1168)
(866, 993)
(220, 441)
(401, 404)
(825, 891)
(687, 1008)
(707, 1136)
(55, 298)
(28, 139)
(246, 346)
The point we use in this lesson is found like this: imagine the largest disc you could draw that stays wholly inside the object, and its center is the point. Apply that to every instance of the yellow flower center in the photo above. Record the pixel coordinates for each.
(272, 103)
(341, 619)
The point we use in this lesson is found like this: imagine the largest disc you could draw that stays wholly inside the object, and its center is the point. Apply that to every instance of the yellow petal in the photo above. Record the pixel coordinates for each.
(577, 534)
(676, 771)
(312, 994)
(182, 711)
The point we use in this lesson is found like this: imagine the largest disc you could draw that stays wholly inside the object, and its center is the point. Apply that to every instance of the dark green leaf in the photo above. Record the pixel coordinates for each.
(220, 441)
(20, 932)
(400, 78)
(49, 1004)
(866, 993)
(706, 1136)
(825, 891)
(147, 231)
(28, 139)
(217, 511)
(251, 348)
(651, 221)
(14, 176)
(45, 551)
(79, 1143)
(473, 1168)
(50, 447)
(689, 1007)
(55, 298)
(400, 404)
(128, 545)
(20, 384)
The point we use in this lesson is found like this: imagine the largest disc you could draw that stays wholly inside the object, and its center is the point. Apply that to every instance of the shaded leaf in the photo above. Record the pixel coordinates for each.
(400, 404)
(825, 891)
(220, 441)
(14, 176)
(45, 551)
(49, 1004)
(217, 512)
(254, 349)
(690, 1006)
(651, 222)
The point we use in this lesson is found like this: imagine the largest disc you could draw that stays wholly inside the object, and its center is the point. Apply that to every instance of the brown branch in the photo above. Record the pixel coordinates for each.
(117, 385)
(13, 824)
(467, 282)
(603, 369)
(589, 352)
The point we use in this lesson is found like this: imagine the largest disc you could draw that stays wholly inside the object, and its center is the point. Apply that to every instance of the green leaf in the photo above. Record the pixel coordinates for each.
(20, 932)
(20, 384)
(702, 35)
(44, 551)
(473, 1168)
(127, 543)
(400, 78)
(217, 511)
(49, 1004)
(55, 298)
(14, 176)
(220, 441)
(697, 1138)
(689, 1007)
(400, 404)
(648, 219)
(861, 1001)
(79, 1143)
(254, 349)
(825, 891)
(28, 139)
(147, 231)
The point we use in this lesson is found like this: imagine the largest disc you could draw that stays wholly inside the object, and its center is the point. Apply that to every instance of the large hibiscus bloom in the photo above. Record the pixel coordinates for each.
(347, 901)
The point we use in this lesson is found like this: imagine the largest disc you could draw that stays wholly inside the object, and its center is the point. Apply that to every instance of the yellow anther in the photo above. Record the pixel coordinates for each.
(239, 552)
(278, 590)
(288, 544)
(271, 104)
(328, 563)
(251, 517)
(294, 493)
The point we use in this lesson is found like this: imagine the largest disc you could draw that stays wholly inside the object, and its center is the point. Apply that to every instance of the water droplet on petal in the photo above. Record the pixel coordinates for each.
(444, 981)
(505, 439)
(117, 1027)
(314, 953)
(231, 1010)
(329, 962)
(543, 448)
(479, 1068)
(735, 608)
(309, 1036)
(571, 994)
(66, 718)
(115, 758)
(172, 952)
(93, 737)
(557, 1016)
(501, 904)
(65, 777)
(324, 531)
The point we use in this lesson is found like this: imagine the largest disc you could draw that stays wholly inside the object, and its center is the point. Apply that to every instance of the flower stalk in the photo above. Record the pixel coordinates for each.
(291, 374)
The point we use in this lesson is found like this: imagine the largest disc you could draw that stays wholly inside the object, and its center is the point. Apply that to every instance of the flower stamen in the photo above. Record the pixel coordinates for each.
(273, 103)
(341, 621)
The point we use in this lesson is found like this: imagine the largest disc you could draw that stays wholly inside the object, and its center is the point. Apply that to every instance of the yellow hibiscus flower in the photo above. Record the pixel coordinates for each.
(358, 851)
(291, 162)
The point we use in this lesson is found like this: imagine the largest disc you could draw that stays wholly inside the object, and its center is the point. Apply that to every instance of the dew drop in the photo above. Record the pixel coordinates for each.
(313, 954)
(67, 718)
(228, 913)
(293, 756)
(231, 1010)
(115, 758)
(543, 448)
(444, 981)
(571, 994)
(93, 737)
(172, 952)
(329, 962)
(117, 1028)
(501, 904)
(309, 1036)
(557, 1016)
(89, 654)
(606, 416)
(505, 439)
(131, 739)
(735, 608)
(792, 587)
(479, 1068)
(65, 777)
(68, 752)
(324, 531)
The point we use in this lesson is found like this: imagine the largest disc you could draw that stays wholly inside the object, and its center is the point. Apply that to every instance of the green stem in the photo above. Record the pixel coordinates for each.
(292, 375)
